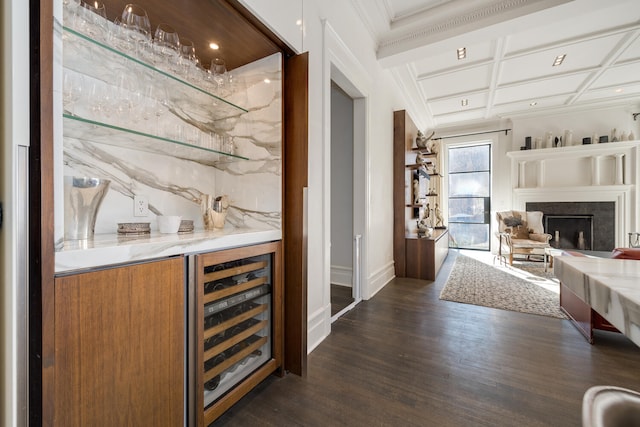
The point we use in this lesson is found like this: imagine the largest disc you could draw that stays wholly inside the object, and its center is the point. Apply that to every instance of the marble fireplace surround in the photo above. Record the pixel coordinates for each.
(552, 179)
(554, 200)
(602, 215)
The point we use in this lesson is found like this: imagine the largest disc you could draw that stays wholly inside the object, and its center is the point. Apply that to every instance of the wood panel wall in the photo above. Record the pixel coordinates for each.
(404, 131)
(295, 159)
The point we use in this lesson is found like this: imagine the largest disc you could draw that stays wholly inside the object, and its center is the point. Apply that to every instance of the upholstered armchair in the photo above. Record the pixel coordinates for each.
(521, 233)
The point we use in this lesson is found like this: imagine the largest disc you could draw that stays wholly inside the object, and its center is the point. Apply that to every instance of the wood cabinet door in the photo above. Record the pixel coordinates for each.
(119, 346)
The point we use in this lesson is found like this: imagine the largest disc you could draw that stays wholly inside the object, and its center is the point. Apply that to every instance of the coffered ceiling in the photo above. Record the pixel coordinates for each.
(511, 46)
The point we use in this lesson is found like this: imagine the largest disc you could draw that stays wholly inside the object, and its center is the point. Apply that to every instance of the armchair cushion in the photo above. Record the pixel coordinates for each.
(544, 238)
(514, 223)
(519, 224)
(534, 222)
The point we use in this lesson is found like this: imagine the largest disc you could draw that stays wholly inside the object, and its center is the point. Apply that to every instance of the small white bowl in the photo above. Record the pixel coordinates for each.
(169, 224)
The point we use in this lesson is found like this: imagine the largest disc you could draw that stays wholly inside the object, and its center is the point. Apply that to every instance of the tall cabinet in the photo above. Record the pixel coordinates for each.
(417, 193)
(114, 332)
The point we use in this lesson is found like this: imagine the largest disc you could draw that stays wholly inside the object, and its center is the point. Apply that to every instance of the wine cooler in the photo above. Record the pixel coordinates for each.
(235, 324)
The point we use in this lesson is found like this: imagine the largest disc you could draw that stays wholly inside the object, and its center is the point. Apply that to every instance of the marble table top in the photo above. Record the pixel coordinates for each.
(610, 286)
(111, 249)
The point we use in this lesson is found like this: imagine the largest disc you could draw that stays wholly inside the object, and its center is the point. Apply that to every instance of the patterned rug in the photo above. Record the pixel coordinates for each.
(525, 287)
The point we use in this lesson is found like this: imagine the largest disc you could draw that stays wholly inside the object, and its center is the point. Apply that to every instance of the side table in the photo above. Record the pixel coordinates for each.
(549, 254)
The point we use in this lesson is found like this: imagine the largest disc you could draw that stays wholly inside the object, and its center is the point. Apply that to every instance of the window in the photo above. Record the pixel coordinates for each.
(469, 196)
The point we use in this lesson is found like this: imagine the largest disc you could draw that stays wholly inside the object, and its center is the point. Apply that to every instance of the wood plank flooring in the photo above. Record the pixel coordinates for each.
(405, 358)
(340, 298)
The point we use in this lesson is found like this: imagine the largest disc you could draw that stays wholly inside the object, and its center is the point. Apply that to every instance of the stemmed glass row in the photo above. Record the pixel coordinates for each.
(134, 101)
(131, 33)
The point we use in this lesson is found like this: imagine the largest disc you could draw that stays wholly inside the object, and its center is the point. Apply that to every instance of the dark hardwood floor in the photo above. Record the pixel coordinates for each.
(405, 358)
(340, 298)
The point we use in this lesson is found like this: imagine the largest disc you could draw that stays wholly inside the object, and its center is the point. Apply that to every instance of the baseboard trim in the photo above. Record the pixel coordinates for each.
(319, 327)
(341, 275)
(379, 280)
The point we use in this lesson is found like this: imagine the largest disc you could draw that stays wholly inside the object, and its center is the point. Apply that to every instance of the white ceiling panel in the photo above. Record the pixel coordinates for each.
(524, 106)
(456, 82)
(609, 94)
(539, 89)
(403, 8)
(568, 22)
(476, 53)
(619, 76)
(453, 105)
(580, 56)
(467, 116)
(632, 52)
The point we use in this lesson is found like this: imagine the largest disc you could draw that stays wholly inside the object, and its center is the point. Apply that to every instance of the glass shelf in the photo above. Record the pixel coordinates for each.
(102, 133)
(101, 61)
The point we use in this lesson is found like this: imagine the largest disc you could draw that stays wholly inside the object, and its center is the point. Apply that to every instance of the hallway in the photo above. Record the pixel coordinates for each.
(405, 358)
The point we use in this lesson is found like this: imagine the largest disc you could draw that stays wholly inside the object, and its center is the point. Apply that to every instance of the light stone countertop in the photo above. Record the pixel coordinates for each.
(610, 286)
(111, 249)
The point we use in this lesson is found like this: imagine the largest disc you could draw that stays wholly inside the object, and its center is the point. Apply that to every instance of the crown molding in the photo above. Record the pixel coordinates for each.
(456, 19)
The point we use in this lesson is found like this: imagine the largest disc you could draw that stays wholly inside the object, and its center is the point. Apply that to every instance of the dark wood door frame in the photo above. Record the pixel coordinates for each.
(295, 240)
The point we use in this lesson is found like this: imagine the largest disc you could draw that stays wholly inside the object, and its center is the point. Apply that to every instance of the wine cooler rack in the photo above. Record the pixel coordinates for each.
(237, 320)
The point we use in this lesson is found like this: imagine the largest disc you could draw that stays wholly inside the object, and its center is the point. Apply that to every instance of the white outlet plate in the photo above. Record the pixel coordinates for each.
(140, 206)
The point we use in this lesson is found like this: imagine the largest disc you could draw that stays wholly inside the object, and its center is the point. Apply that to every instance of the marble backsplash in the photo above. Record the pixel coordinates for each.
(173, 183)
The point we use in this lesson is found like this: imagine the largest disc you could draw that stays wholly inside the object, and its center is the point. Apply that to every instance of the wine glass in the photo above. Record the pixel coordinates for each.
(167, 44)
(218, 69)
(91, 19)
(71, 89)
(99, 100)
(124, 99)
(187, 60)
(136, 20)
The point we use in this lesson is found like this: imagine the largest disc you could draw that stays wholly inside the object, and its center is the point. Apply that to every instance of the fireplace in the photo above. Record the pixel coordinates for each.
(570, 231)
(593, 221)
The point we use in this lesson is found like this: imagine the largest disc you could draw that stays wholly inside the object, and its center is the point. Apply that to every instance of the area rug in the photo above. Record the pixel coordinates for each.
(507, 288)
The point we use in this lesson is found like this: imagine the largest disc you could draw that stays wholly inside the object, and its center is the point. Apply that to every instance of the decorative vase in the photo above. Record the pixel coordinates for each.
(568, 138)
(82, 199)
(632, 137)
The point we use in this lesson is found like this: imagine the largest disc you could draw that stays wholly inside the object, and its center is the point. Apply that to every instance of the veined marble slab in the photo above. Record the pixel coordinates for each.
(111, 249)
(610, 286)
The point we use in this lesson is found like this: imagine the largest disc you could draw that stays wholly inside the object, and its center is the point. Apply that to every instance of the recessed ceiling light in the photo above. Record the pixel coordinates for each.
(619, 90)
(299, 22)
(464, 102)
(559, 59)
(214, 46)
(267, 81)
(533, 104)
(462, 52)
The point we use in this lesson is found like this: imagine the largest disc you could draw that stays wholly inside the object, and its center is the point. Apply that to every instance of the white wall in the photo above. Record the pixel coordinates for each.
(341, 187)
(334, 37)
(14, 127)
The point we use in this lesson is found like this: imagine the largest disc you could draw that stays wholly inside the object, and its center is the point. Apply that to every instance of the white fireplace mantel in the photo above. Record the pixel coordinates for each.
(585, 173)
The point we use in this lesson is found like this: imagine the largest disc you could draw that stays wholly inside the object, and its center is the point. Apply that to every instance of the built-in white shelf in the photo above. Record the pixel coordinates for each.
(576, 166)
